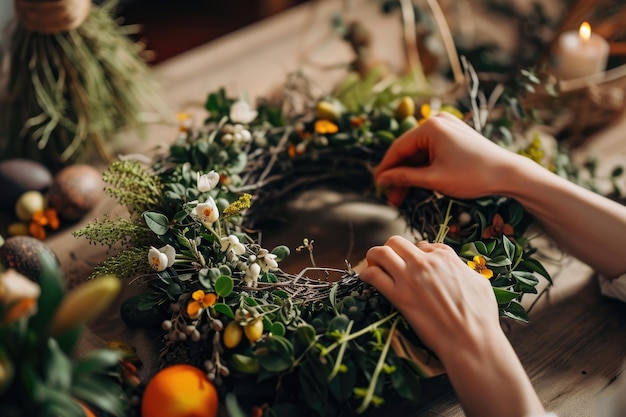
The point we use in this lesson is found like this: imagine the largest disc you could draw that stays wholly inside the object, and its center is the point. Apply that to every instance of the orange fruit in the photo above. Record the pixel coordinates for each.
(180, 391)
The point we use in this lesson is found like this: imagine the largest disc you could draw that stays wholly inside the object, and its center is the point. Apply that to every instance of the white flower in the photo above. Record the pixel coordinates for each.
(267, 260)
(206, 212)
(207, 182)
(231, 243)
(252, 274)
(162, 258)
(240, 112)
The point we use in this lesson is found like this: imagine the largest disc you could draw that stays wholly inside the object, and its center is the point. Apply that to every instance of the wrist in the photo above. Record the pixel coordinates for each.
(504, 384)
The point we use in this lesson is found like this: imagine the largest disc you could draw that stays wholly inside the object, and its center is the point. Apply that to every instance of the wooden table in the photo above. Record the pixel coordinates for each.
(573, 348)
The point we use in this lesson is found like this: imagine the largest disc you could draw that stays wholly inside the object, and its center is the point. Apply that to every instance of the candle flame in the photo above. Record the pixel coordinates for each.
(585, 31)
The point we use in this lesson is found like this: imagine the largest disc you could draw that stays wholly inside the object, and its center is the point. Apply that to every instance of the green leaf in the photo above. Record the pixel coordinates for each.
(224, 309)
(471, 249)
(535, 266)
(527, 278)
(501, 260)
(156, 222)
(102, 391)
(224, 285)
(509, 247)
(52, 290)
(504, 296)
(281, 252)
(332, 296)
(244, 364)
(515, 311)
(303, 338)
(342, 385)
(277, 329)
(313, 380)
(406, 381)
(58, 368)
(274, 353)
(339, 323)
(96, 361)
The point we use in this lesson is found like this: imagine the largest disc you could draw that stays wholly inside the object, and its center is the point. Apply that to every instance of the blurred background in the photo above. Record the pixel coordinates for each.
(170, 27)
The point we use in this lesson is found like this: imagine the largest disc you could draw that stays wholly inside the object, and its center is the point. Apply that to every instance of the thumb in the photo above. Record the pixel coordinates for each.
(422, 177)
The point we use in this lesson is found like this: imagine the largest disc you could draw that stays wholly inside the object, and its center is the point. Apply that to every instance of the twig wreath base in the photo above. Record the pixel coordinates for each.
(319, 347)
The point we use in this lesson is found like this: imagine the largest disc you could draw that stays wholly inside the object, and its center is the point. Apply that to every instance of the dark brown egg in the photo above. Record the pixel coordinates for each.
(18, 176)
(23, 253)
(75, 191)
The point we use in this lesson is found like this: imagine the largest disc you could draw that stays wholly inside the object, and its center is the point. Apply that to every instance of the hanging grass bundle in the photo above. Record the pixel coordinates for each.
(75, 79)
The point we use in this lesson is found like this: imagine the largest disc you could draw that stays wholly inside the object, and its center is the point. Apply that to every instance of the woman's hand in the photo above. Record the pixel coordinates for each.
(454, 312)
(444, 154)
(446, 302)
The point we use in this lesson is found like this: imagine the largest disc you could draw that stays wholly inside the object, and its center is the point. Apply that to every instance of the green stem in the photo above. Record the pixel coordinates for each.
(443, 229)
(360, 333)
(379, 367)
(342, 352)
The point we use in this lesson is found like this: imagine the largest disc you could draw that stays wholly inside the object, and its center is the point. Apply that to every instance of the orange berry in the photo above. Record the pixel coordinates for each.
(180, 391)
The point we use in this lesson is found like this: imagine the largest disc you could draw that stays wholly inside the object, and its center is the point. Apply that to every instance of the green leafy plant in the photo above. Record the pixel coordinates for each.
(39, 326)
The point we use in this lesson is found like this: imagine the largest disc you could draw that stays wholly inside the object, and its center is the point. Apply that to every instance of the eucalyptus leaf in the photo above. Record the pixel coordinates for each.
(515, 311)
(224, 309)
(96, 361)
(157, 222)
(224, 285)
(504, 296)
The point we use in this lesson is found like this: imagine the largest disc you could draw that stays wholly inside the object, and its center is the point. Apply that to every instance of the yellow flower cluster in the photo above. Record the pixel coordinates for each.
(241, 204)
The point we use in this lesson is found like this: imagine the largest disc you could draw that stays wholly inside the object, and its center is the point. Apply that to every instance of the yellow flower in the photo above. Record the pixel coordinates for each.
(324, 127)
(201, 300)
(479, 265)
(431, 109)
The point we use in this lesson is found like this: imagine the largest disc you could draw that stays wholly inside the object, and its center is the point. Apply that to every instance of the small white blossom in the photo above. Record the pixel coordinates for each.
(162, 258)
(252, 274)
(235, 134)
(267, 260)
(231, 243)
(240, 112)
(206, 212)
(207, 182)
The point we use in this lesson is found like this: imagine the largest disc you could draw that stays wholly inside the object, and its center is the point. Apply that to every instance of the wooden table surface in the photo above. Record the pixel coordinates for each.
(575, 345)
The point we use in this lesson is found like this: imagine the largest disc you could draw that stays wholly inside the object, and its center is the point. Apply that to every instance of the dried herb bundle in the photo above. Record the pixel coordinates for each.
(71, 86)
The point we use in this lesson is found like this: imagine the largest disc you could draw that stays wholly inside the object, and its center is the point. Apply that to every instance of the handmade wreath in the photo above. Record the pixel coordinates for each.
(321, 347)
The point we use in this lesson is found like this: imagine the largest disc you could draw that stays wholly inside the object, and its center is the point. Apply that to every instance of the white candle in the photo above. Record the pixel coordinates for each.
(580, 54)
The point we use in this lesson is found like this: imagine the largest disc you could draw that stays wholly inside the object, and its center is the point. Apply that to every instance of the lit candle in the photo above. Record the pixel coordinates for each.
(580, 54)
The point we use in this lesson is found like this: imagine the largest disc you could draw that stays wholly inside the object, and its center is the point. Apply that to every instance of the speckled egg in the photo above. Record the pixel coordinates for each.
(18, 176)
(23, 253)
(75, 191)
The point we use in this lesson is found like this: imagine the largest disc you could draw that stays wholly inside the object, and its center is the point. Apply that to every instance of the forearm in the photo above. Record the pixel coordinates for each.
(589, 226)
(490, 381)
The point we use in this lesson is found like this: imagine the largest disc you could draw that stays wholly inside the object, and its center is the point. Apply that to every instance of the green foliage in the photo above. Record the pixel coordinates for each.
(128, 262)
(133, 185)
(39, 376)
(107, 231)
(71, 92)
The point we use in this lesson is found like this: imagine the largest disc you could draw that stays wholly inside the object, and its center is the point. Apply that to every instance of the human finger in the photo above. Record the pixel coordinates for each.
(406, 249)
(386, 259)
(378, 278)
(396, 195)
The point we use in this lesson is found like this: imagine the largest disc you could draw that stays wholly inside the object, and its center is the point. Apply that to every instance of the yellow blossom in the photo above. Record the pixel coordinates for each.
(200, 301)
(478, 264)
(324, 127)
